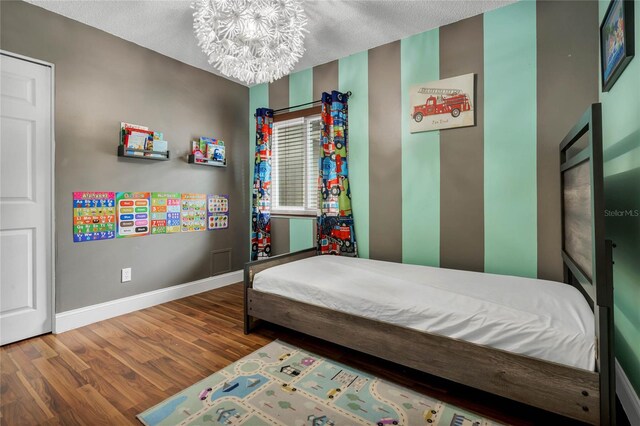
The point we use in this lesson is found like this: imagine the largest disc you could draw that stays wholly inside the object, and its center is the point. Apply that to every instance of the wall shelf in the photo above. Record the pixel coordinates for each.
(158, 155)
(204, 162)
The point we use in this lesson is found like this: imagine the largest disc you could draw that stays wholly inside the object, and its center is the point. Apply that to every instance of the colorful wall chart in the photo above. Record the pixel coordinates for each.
(94, 216)
(133, 214)
(193, 212)
(217, 212)
(165, 212)
(106, 215)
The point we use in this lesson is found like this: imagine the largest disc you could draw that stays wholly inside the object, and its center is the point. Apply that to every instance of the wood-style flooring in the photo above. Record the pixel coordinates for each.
(108, 372)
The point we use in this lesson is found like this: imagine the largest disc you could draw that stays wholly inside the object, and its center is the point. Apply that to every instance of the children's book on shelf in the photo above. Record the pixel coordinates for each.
(137, 139)
(197, 153)
(159, 147)
(208, 150)
(134, 138)
(215, 153)
(204, 142)
(136, 142)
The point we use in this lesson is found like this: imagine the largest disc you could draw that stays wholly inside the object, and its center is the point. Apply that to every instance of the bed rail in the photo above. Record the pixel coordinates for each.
(252, 268)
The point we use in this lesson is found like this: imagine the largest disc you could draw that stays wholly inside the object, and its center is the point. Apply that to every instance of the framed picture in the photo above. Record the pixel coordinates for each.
(616, 41)
(442, 104)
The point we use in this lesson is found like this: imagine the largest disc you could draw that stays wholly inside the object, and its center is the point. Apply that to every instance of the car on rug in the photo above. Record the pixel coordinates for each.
(204, 393)
(333, 392)
(429, 415)
(288, 388)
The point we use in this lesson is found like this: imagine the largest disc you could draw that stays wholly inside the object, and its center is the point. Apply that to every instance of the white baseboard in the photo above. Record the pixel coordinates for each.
(628, 396)
(75, 318)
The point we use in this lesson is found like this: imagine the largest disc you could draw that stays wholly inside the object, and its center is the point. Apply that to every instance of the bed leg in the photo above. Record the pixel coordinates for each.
(605, 348)
(250, 324)
(247, 324)
(607, 370)
(249, 321)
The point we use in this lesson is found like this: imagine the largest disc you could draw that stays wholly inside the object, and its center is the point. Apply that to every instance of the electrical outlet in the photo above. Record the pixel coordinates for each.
(126, 275)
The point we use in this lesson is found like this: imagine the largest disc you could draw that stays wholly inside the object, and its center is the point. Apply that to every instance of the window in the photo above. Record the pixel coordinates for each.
(295, 159)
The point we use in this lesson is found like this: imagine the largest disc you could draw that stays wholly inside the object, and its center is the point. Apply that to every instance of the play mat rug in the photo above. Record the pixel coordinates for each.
(283, 385)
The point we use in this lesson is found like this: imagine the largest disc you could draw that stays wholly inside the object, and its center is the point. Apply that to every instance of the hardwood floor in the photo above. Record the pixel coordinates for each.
(108, 372)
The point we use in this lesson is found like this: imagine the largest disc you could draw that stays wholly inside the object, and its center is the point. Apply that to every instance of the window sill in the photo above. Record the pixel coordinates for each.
(293, 215)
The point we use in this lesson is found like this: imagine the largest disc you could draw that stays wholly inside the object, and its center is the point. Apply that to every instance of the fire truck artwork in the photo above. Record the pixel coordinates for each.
(453, 105)
(442, 104)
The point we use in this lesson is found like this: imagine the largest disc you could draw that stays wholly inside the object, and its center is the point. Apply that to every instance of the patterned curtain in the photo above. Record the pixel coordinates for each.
(335, 231)
(261, 209)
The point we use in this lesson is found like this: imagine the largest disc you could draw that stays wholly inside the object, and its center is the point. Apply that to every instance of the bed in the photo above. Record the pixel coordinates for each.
(542, 343)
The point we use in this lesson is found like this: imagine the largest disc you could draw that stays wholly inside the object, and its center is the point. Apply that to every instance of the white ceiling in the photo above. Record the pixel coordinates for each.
(336, 28)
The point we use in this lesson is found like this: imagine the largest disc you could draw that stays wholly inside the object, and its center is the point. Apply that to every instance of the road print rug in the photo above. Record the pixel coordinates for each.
(284, 385)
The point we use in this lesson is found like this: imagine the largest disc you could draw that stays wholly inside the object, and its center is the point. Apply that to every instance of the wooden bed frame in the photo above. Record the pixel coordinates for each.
(576, 393)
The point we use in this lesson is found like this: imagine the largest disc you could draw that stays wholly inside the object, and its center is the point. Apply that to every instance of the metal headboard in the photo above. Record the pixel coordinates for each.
(585, 251)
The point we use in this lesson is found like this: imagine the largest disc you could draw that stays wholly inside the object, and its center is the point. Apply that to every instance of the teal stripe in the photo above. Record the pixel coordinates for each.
(621, 139)
(258, 98)
(353, 75)
(510, 192)
(301, 234)
(301, 87)
(420, 63)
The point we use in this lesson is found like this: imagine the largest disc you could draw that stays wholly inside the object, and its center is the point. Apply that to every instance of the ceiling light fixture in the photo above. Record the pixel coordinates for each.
(255, 41)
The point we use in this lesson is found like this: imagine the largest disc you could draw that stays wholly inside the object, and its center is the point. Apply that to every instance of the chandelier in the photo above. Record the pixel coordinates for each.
(255, 41)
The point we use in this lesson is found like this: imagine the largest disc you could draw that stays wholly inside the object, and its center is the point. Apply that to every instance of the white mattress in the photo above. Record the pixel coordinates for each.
(542, 319)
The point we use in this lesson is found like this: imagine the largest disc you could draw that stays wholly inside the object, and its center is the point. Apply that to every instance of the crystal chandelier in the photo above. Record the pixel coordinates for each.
(255, 41)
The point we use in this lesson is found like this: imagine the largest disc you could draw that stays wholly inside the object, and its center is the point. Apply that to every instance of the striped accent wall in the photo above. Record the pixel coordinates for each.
(510, 211)
(353, 74)
(385, 153)
(482, 198)
(420, 62)
(462, 230)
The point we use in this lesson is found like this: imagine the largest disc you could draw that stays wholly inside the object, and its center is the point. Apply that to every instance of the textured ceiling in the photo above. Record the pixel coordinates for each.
(336, 28)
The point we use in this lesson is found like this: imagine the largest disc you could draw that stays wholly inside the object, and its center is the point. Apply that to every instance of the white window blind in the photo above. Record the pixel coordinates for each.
(295, 156)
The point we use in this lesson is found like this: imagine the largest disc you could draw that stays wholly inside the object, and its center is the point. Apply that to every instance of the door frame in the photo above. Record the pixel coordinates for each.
(52, 223)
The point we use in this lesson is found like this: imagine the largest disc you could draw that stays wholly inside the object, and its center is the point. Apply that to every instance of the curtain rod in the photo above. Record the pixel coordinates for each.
(305, 104)
(296, 106)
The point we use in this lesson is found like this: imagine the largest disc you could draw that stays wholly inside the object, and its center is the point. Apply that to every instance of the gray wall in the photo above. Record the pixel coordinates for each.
(461, 174)
(100, 81)
(564, 53)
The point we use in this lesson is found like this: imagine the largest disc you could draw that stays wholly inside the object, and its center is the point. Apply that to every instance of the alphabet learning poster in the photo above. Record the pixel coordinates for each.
(165, 212)
(94, 216)
(217, 212)
(133, 214)
(193, 212)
